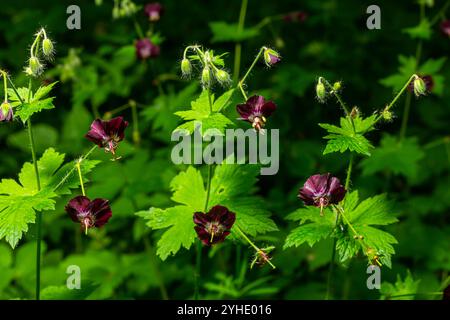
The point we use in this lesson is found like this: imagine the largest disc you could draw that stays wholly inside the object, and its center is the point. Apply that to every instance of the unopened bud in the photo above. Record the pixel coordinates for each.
(420, 87)
(337, 86)
(320, 91)
(223, 77)
(35, 66)
(186, 67)
(47, 47)
(206, 77)
(6, 111)
(271, 57)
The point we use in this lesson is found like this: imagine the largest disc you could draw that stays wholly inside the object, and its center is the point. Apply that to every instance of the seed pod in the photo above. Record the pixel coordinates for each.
(47, 48)
(186, 67)
(321, 92)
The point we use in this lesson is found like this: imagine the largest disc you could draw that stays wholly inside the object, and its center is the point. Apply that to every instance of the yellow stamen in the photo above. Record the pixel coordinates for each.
(212, 236)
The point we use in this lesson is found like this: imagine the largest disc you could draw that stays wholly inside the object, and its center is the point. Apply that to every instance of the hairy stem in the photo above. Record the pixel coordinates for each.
(238, 46)
(242, 81)
(254, 246)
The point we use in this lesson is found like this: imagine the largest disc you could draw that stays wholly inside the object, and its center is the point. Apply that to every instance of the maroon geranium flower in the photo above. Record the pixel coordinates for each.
(321, 190)
(107, 134)
(6, 112)
(445, 27)
(89, 213)
(297, 16)
(427, 79)
(154, 11)
(213, 227)
(146, 49)
(256, 110)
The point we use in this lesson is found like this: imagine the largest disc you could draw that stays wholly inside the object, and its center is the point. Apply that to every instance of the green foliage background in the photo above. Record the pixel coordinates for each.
(98, 72)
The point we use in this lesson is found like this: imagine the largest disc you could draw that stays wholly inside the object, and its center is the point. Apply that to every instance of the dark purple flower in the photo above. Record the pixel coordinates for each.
(146, 49)
(89, 213)
(6, 112)
(154, 11)
(297, 16)
(445, 27)
(321, 190)
(429, 84)
(255, 111)
(213, 227)
(107, 134)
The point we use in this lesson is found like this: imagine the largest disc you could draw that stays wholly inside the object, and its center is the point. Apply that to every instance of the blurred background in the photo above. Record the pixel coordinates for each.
(99, 73)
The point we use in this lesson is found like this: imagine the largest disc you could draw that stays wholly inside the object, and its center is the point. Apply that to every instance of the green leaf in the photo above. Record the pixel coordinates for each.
(310, 233)
(201, 113)
(19, 201)
(370, 212)
(391, 156)
(406, 288)
(421, 31)
(37, 101)
(188, 190)
(64, 293)
(224, 32)
(344, 138)
(313, 228)
(407, 67)
(231, 186)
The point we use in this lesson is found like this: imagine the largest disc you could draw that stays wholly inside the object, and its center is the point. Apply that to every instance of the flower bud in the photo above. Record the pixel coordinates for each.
(35, 66)
(337, 86)
(186, 67)
(321, 92)
(47, 47)
(206, 77)
(223, 77)
(420, 87)
(6, 112)
(387, 115)
(271, 57)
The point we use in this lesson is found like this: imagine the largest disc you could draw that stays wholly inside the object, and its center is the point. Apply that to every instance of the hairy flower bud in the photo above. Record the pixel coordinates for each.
(271, 57)
(186, 67)
(355, 112)
(387, 115)
(420, 87)
(47, 48)
(35, 66)
(206, 77)
(337, 86)
(223, 77)
(6, 112)
(321, 92)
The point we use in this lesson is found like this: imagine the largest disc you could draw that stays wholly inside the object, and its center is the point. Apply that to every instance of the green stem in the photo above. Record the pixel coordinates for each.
(38, 214)
(349, 171)
(134, 113)
(441, 12)
(331, 267)
(238, 46)
(138, 28)
(254, 246)
(64, 179)
(240, 84)
(80, 176)
(405, 117)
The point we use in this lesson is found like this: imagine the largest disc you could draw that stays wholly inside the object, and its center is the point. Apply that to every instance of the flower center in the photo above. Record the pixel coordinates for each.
(214, 229)
(258, 122)
(322, 202)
